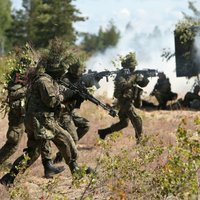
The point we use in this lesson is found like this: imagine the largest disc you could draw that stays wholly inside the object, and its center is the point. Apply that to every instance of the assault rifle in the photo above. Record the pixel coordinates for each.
(83, 92)
(147, 72)
(93, 77)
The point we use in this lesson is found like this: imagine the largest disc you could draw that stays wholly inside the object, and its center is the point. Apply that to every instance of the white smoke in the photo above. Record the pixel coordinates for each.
(149, 31)
(148, 48)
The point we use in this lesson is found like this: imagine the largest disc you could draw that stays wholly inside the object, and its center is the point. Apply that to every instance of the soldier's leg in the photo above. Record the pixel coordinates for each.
(136, 121)
(82, 125)
(14, 135)
(67, 148)
(76, 126)
(46, 154)
(160, 100)
(67, 123)
(123, 123)
(31, 153)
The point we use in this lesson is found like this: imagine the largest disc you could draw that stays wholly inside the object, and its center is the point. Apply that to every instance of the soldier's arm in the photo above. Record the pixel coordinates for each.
(49, 93)
(17, 92)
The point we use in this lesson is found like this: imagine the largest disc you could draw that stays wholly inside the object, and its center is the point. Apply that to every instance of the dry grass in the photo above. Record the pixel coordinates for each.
(163, 124)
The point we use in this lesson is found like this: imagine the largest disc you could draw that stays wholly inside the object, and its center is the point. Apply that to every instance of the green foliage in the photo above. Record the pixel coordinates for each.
(105, 39)
(19, 61)
(142, 175)
(4, 68)
(179, 175)
(5, 20)
(184, 34)
(40, 21)
(184, 27)
(184, 30)
(17, 33)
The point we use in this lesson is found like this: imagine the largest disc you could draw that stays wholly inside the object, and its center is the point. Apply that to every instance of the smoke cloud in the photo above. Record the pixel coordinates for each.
(148, 48)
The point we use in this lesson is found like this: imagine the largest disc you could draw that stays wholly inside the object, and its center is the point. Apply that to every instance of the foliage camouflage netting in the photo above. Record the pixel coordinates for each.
(187, 61)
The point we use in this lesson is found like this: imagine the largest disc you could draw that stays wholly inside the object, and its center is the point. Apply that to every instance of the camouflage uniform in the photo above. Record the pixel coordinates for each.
(125, 92)
(162, 91)
(192, 99)
(42, 105)
(16, 98)
(76, 125)
(16, 102)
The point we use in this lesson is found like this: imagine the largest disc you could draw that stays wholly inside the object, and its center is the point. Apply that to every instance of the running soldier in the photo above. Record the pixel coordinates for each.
(125, 92)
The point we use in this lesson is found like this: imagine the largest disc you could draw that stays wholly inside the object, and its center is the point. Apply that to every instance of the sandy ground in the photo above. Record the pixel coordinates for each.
(162, 123)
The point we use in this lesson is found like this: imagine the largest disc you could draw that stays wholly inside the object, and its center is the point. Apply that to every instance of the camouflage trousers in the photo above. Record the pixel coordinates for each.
(14, 134)
(76, 126)
(125, 114)
(60, 137)
(163, 98)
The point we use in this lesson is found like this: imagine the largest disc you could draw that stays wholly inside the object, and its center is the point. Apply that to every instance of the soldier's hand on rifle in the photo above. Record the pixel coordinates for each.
(113, 113)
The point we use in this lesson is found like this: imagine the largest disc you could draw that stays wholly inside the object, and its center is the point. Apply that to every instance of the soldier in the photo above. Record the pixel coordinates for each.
(125, 92)
(43, 105)
(162, 91)
(76, 125)
(16, 101)
(192, 99)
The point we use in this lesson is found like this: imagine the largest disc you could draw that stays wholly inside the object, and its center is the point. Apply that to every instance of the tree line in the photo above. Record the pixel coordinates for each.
(39, 21)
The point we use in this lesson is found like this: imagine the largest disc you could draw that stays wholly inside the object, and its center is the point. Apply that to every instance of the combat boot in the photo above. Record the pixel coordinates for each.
(103, 132)
(50, 170)
(89, 170)
(73, 167)
(7, 179)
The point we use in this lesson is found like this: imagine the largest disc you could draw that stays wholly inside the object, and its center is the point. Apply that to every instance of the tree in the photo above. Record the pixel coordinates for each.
(5, 20)
(187, 51)
(17, 32)
(43, 20)
(104, 39)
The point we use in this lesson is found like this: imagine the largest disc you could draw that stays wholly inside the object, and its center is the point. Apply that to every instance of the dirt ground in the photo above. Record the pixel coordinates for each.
(161, 123)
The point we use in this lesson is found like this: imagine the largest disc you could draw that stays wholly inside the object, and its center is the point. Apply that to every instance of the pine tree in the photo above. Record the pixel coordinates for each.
(43, 20)
(5, 20)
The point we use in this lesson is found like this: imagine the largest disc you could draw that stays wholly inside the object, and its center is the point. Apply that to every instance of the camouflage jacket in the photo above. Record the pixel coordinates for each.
(72, 100)
(127, 86)
(163, 86)
(43, 95)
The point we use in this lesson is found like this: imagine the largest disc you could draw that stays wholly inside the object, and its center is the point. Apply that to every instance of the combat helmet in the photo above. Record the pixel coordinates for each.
(77, 66)
(129, 61)
(24, 59)
(56, 58)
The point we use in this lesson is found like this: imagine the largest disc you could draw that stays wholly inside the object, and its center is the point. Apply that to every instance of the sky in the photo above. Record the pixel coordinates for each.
(141, 36)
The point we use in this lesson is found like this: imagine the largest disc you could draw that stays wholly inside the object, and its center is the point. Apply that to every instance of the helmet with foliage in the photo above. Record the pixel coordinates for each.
(129, 61)
(162, 75)
(20, 61)
(56, 59)
(77, 66)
